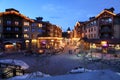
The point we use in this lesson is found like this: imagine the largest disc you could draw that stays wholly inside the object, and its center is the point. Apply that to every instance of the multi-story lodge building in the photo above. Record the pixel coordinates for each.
(105, 26)
(51, 36)
(14, 30)
(18, 32)
(45, 35)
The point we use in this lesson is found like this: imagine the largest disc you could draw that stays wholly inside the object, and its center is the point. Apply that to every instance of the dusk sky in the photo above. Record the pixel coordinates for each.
(64, 13)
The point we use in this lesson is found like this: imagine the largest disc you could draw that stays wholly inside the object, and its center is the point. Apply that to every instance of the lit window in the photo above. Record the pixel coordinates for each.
(39, 25)
(26, 36)
(16, 23)
(110, 20)
(17, 35)
(16, 29)
(8, 28)
(8, 22)
(26, 23)
(26, 29)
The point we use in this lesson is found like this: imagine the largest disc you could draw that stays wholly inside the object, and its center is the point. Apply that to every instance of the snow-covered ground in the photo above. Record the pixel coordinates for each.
(96, 75)
(16, 62)
(30, 76)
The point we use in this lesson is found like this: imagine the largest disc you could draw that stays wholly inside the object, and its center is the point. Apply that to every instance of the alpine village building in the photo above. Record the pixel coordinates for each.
(18, 32)
(103, 27)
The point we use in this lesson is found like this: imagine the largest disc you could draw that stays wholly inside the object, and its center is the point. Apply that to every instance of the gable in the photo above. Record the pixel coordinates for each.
(106, 13)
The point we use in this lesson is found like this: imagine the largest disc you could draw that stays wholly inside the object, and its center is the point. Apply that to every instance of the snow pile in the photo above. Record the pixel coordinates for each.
(80, 70)
(15, 62)
(30, 76)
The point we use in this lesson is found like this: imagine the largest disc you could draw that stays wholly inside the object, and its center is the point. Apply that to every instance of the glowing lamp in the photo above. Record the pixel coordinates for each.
(104, 43)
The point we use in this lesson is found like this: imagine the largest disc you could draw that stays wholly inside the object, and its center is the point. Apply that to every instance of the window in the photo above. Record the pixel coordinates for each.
(33, 24)
(94, 35)
(33, 29)
(94, 28)
(39, 30)
(26, 24)
(16, 23)
(16, 29)
(17, 36)
(26, 36)
(26, 29)
(91, 29)
(110, 20)
(39, 25)
(8, 22)
(8, 28)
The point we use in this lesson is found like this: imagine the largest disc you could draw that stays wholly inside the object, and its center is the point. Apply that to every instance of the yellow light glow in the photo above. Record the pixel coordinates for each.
(104, 43)
(68, 32)
(52, 40)
(27, 41)
(34, 40)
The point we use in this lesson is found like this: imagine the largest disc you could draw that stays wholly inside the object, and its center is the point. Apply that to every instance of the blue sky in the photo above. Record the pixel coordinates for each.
(64, 13)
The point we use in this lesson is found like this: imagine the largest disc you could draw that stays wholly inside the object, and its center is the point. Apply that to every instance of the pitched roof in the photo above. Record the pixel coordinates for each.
(109, 12)
(15, 13)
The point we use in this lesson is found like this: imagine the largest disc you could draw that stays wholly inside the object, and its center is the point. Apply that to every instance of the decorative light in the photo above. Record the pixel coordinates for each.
(104, 43)
(27, 41)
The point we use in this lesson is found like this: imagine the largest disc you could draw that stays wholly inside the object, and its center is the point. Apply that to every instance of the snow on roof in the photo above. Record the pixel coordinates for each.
(16, 62)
